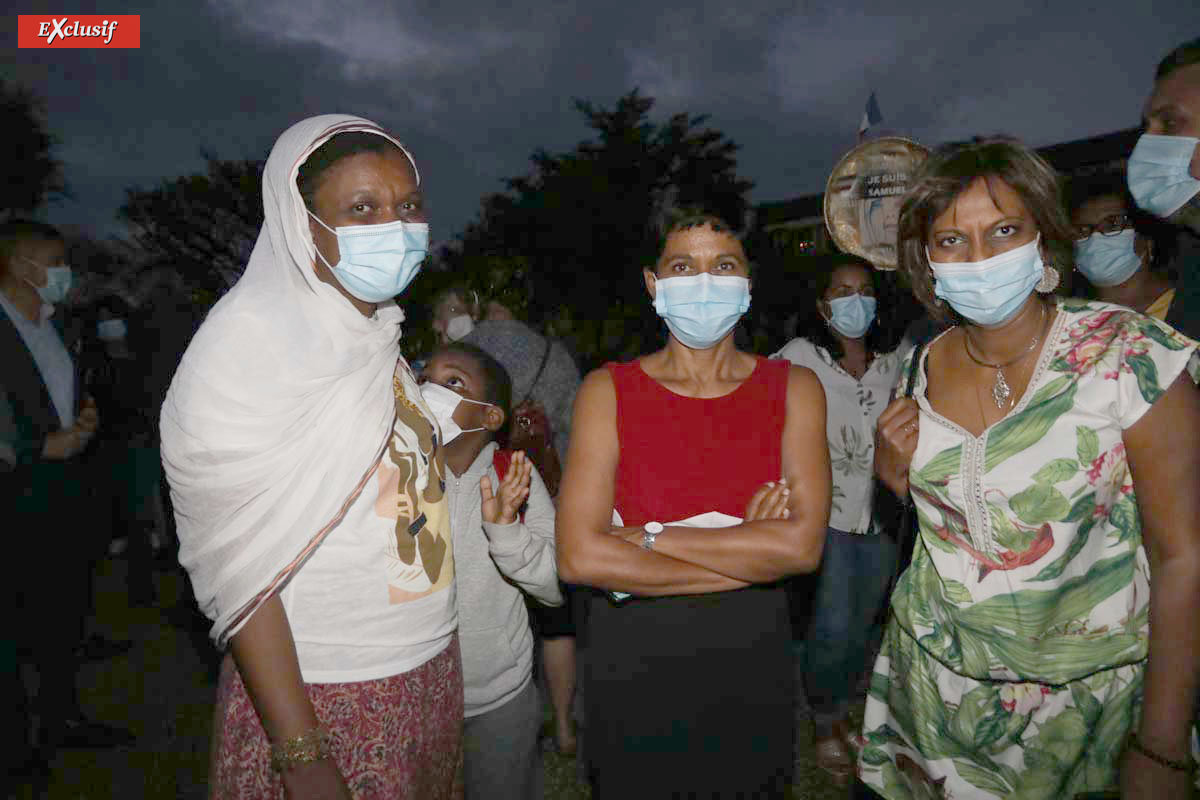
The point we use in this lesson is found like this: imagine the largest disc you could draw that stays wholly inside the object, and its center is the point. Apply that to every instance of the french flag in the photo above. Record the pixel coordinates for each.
(871, 115)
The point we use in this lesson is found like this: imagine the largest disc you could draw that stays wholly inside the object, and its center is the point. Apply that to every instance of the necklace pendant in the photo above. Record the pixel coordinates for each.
(1001, 391)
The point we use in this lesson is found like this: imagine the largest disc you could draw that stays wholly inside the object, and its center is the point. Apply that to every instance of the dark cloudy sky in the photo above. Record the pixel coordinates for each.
(474, 86)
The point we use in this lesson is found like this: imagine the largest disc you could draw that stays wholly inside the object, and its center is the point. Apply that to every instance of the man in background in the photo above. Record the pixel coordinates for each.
(46, 421)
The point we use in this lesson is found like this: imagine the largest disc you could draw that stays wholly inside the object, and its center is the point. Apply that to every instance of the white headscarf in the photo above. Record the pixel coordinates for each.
(280, 408)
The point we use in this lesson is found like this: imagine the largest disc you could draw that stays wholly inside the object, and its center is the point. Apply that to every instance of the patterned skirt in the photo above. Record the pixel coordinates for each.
(397, 737)
(929, 732)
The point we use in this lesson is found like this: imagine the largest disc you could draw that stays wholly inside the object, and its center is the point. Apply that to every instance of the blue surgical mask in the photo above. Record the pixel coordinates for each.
(1108, 260)
(378, 262)
(59, 280)
(110, 330)
(701, 309)
(852, 316)
(1158, 174)
(989, 292)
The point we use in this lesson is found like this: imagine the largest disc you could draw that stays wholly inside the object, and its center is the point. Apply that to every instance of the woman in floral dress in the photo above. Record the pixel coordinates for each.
(1024, 648)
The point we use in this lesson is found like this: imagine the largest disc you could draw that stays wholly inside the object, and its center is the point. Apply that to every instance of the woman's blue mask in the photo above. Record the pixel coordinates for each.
(989, 292)
(1158, 174)
(1108, 260)
(701, 309)
(378, 262)
(851, 316)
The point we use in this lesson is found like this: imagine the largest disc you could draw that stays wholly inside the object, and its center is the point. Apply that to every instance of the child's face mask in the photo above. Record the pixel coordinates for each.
(442, 402)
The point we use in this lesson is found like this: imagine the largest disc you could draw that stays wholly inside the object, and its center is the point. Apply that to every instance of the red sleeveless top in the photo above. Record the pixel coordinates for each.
(683, 456)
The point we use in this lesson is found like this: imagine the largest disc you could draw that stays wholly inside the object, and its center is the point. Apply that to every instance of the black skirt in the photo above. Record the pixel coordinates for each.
(690, 697)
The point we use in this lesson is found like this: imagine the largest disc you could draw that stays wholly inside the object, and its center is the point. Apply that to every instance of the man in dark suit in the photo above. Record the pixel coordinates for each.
(46, 422)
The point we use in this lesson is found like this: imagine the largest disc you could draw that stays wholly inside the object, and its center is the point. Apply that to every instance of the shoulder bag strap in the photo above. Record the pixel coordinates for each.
(538, 375)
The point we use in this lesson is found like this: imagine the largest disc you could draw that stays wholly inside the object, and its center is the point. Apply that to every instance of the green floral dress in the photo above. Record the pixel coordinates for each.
(1012, 665)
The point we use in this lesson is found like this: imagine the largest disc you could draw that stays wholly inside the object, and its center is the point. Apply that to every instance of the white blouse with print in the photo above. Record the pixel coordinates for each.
(852, 407)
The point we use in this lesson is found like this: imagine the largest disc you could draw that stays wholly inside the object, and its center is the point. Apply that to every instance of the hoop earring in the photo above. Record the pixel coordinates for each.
(1050, 280)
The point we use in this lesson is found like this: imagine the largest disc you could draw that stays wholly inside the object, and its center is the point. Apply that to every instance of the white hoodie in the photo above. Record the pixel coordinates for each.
(493, 564)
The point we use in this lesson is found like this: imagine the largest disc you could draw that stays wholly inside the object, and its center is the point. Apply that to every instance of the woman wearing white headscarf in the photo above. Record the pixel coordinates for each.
(306, 477)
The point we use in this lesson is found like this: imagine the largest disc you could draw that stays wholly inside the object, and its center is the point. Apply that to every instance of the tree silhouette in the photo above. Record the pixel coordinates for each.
(583, 223)
(204, 224)
(30, 174)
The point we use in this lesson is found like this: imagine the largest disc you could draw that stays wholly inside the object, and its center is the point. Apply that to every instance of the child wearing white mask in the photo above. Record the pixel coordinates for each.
(503, 527)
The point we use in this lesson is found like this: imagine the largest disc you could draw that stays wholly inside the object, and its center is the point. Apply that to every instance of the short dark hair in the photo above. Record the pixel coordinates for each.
(712, 221)
(1185, 55)
(1111, 183)
(339, 146)
(497, 388)
(21, 230)
(947, 173)
(697, 221)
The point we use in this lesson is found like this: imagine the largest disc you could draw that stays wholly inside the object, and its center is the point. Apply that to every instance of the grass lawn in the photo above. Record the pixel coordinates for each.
(162, 690)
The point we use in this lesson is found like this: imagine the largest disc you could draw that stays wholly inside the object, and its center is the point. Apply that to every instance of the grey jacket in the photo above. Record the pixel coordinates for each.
(493, 564)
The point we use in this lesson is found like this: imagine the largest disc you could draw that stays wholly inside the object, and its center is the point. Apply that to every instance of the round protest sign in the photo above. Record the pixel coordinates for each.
(862, 197)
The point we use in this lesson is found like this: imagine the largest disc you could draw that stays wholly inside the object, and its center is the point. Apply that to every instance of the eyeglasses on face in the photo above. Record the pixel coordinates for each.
(1109, 226)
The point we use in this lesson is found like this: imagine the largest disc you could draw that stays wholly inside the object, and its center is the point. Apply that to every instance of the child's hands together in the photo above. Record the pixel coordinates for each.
(500, 508)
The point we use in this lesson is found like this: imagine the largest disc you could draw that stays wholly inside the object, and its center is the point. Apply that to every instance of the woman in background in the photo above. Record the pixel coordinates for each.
(832, 647)
(1125, 253)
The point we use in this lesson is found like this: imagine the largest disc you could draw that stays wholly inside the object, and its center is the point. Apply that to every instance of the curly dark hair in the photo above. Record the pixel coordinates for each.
(947, 173)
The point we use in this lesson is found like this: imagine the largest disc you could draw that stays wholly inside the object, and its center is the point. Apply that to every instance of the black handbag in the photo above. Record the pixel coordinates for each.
(897, 515)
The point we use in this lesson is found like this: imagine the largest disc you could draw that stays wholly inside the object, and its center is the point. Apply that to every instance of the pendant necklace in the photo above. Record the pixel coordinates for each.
(1001, 391)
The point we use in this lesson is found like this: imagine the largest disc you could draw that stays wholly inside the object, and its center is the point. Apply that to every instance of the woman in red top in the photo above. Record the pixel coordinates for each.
(688, 685)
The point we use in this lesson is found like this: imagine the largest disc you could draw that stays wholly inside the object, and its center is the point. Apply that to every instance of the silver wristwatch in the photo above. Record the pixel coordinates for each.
(650, 532)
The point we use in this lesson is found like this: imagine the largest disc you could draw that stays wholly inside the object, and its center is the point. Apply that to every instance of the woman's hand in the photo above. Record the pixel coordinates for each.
(501, 508)
(1144, 777)
(896, 437)
(320, 780)
(769, 502)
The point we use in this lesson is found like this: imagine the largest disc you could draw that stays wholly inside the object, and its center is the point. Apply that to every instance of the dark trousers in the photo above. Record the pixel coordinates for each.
(49, 581)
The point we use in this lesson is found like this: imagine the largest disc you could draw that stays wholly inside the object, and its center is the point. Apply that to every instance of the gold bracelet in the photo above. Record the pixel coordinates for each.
(1188, 765)
(307, 748)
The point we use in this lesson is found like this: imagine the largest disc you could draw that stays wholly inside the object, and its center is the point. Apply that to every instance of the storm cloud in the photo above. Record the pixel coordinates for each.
(475, 87)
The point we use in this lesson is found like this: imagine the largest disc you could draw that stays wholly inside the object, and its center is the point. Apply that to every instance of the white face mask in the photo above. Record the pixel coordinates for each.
(458, 327)
(442, 402)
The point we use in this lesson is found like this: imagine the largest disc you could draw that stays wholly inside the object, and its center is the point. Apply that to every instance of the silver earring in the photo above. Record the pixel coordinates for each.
(1049, 281)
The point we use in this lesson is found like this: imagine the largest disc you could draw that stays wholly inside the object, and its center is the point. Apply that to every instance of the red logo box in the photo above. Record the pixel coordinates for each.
(67, 31)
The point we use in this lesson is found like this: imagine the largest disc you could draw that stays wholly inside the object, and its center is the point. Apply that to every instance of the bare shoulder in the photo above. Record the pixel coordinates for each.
(596, 401)
(597, 384)
(803, 384)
